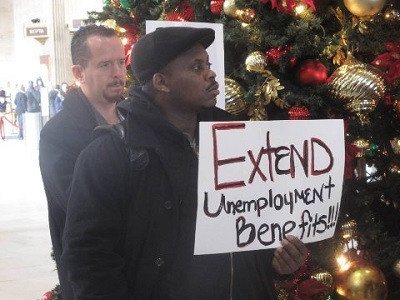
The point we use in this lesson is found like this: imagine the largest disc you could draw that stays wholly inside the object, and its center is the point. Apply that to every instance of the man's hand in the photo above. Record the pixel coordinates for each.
(290, 256)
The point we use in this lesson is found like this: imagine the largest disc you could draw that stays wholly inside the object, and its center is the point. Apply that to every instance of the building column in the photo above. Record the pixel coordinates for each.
(61, 58)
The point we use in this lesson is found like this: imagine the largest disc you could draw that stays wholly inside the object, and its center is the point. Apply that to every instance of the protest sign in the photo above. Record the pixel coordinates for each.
(260, 181)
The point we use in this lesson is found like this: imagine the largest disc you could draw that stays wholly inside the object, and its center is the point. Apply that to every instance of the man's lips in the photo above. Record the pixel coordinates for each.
(214, 89)
(116, 84)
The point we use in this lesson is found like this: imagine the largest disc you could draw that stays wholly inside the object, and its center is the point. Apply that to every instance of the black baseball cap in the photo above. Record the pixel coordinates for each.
(156, 49)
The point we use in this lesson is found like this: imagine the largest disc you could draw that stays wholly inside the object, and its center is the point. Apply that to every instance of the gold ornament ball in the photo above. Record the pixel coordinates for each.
(362, 281)
(256, 62)
(230, 8)
(396, 268)
(357, 86)
(234, 97)
(363, 8)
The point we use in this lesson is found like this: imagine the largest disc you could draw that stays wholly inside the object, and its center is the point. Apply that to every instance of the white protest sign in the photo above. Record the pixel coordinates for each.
(260, 181)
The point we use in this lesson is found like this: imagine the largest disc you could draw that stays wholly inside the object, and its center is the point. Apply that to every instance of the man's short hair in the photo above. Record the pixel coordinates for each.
(79, 48)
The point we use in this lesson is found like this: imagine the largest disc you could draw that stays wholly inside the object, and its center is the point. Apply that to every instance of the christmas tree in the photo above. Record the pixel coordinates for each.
(314, 59)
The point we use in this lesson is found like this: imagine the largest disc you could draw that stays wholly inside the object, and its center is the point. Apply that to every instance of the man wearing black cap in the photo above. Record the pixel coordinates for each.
(132, 210)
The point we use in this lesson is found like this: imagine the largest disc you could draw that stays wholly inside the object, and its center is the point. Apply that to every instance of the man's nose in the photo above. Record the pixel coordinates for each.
(211, 74)
(119, 70)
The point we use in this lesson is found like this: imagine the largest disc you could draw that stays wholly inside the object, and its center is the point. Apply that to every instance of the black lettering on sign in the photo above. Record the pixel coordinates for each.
(272, 201)
(266, 234)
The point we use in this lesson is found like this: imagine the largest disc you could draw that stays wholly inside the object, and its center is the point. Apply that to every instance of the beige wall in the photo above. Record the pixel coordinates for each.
(21, 58)
(6, 40)
(6, 31)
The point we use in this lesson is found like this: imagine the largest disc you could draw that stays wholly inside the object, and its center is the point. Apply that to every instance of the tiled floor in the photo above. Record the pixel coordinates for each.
(27, 270)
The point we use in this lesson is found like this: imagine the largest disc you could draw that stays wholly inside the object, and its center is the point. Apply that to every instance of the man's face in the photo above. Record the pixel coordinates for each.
(103, 79)
(191, 82)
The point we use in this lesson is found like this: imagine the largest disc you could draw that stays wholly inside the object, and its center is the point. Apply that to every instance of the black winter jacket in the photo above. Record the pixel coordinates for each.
(20, 103)
(131, 220)
(61, 140)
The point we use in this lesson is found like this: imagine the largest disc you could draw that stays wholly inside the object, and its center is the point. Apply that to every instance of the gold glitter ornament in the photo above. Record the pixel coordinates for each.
(283, 295)
(357, 86)
(363, 8)
(362, 281)
(256, 62)
(349, 230)
(234, 97)
(323, 276)
(362, 108)
(396, 268)
(363, 147)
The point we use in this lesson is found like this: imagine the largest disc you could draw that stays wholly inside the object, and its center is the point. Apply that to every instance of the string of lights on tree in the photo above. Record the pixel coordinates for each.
(313, 59)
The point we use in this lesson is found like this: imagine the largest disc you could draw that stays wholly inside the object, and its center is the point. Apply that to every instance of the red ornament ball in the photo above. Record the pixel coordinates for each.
(216, 6)
(299, 112)
(311, 72)
(47, 296)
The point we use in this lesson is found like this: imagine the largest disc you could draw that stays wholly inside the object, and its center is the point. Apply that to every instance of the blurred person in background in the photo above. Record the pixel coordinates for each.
(21, 102)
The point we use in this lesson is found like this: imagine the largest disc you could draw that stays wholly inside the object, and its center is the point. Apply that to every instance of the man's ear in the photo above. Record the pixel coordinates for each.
(159, 83)
(78, 74)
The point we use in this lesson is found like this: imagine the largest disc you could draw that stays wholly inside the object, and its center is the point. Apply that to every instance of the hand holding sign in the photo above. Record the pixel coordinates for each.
(290, 256)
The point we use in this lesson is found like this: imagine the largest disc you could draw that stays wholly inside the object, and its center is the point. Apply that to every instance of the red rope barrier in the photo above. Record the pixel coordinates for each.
(2, 133)
(2, 118)
(12, 123)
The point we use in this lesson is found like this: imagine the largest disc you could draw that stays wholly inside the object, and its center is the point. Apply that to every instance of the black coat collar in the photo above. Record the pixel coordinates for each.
(79, 109)
(140, 109)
